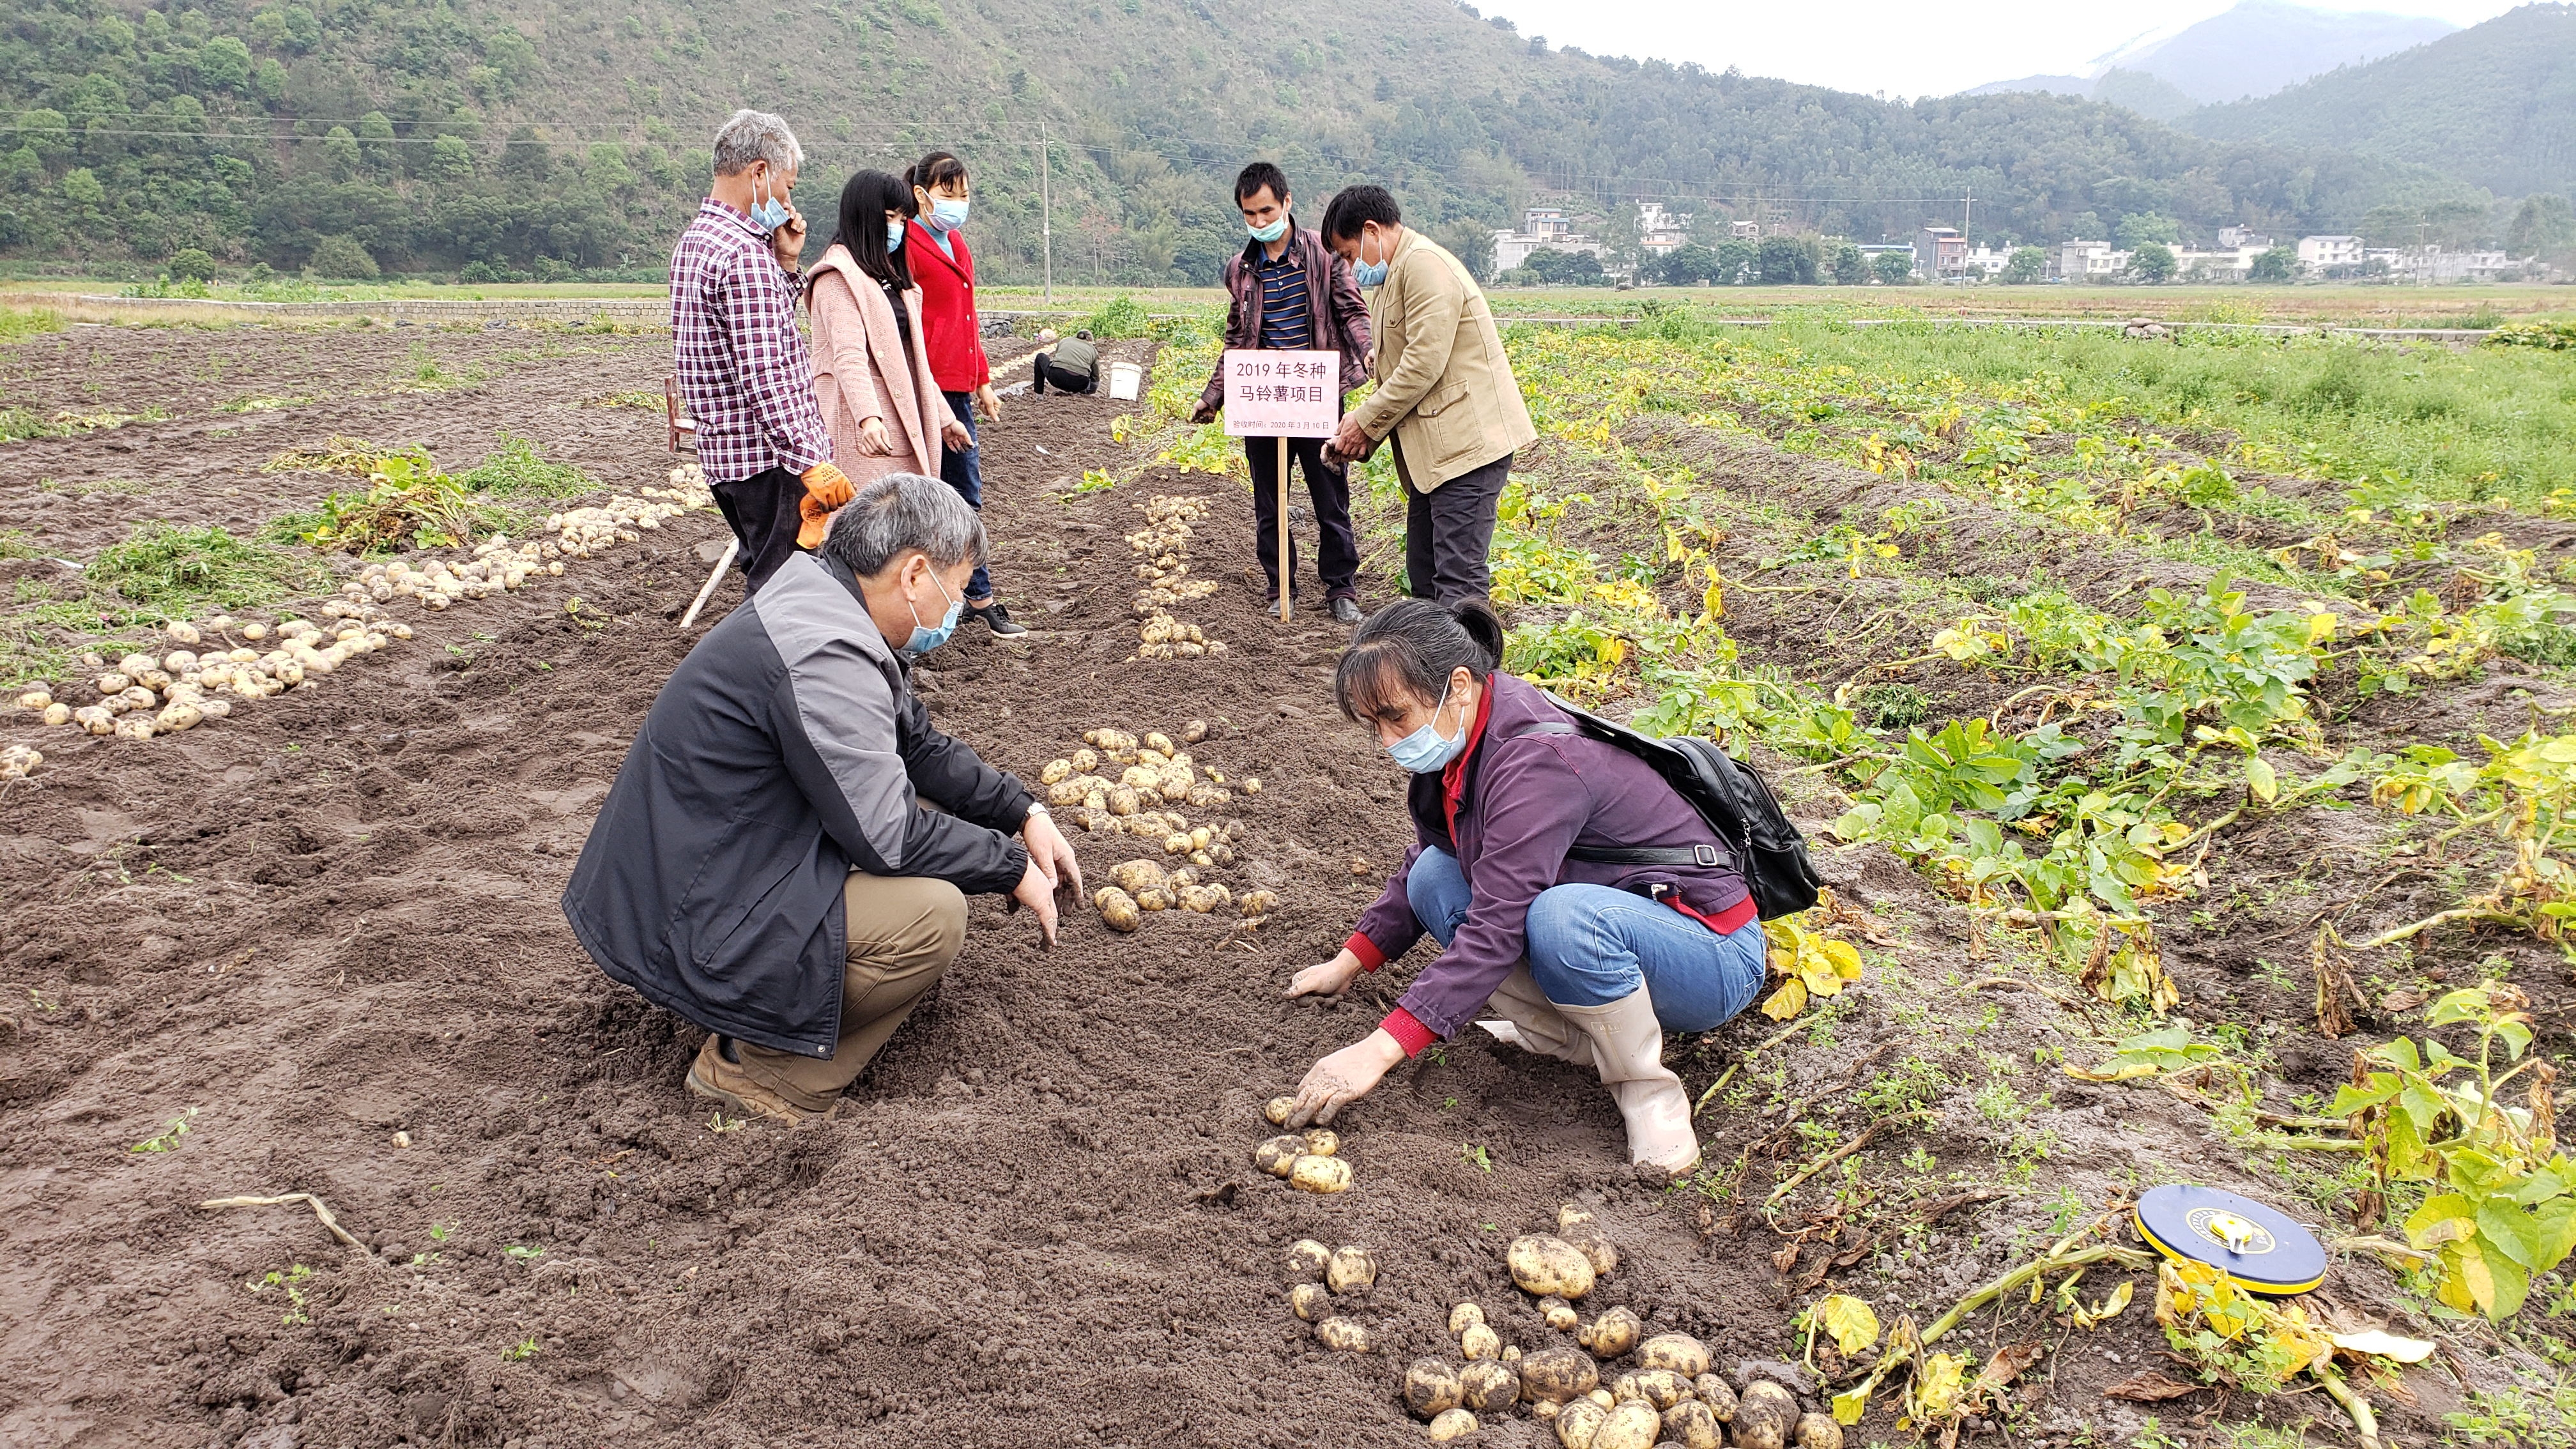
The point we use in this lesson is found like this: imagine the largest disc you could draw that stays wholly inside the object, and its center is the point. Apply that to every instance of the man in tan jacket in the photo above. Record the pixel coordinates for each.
(1444, 390)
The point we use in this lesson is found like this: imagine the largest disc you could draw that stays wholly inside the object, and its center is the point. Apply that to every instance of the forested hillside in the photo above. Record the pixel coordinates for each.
(2494, 105)
(571, 134)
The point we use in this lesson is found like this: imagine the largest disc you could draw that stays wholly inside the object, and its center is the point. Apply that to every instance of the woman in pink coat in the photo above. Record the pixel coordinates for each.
(871, 371)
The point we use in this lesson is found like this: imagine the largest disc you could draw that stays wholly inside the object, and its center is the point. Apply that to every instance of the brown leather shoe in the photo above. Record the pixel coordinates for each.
(724, 1082)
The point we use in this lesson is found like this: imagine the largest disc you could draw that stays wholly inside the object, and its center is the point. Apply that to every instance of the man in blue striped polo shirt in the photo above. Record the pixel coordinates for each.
(1290, 292)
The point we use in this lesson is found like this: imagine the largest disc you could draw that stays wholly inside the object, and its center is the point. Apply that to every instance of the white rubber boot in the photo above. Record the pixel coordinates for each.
(1628, 1045)
(1533, 1023)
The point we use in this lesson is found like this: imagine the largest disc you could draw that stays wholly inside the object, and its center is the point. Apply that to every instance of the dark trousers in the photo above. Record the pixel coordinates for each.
(1449, 534)
(761, 511)
(963, 470)
(1338, 549)
(1042, 370)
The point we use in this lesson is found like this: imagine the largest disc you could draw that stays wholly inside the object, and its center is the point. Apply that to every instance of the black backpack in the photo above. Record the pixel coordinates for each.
(1735, 802)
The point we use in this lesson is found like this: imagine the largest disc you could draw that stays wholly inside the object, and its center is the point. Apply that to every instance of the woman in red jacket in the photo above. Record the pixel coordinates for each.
(945, 271)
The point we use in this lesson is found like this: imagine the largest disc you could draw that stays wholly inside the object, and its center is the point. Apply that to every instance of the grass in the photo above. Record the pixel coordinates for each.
(516, 469)
(168, 572)
(409, 503)
(17, 324)
(2473, 424)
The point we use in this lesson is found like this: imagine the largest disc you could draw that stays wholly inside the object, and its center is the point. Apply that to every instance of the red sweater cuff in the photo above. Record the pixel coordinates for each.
(1370, 956)
(1409, 1034)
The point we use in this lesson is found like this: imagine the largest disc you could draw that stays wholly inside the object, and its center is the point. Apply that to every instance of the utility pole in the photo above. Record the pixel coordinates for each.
(1046, 214)
(1967, 209)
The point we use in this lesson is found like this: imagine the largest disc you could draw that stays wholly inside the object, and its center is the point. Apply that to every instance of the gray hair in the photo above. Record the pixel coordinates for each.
(749, 136)
(903, 513)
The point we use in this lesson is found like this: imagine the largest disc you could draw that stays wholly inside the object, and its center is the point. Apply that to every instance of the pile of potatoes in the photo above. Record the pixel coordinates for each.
(1156, 772)
(1669, 1397)
(581, 532)
(143, 695)
(1311, 1160)
(1163, 552)
(1143, 886)
(1316, 1276)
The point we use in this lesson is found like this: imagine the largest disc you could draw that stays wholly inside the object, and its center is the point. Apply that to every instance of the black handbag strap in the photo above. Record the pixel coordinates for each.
(1700, 855)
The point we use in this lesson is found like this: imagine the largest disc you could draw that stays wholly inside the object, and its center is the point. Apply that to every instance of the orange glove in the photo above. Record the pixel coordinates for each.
(826, 489)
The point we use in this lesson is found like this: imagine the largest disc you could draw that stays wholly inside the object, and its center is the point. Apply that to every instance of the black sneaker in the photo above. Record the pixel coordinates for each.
(998, 619)
(1346, 610)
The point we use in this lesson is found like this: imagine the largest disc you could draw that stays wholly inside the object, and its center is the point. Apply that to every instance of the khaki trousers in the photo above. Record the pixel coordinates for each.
(905, 932)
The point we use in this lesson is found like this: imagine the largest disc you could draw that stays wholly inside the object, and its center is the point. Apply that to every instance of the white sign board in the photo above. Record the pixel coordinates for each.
(1282, 394)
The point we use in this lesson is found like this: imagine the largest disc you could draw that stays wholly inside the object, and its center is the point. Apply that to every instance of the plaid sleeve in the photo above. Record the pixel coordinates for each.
(760, 313)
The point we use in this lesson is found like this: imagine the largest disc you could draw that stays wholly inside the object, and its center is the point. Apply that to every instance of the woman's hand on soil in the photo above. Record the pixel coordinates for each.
(1036, 891)
(873, 438)
(1203, 413)
(1331, 978)
(1051, 853)
(954, 434)
(1343, 1077)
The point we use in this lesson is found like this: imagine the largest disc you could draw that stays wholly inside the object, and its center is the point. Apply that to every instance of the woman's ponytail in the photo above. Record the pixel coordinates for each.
(1483, 626)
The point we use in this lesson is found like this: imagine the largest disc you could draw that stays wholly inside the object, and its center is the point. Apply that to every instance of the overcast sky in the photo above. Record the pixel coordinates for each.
(1902, 47)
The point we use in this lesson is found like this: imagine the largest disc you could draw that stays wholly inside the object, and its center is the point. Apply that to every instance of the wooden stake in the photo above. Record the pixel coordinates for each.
(1287, 582)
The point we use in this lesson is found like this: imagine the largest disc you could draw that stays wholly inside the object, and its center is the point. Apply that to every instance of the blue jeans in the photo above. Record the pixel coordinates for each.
(963, 470)
(1590, 945)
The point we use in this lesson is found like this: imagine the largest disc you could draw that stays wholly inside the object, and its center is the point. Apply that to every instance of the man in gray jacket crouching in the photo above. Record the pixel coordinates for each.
(767, 863)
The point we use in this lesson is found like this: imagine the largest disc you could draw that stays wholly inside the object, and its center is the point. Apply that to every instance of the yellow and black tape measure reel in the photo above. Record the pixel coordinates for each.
(2257, 1246)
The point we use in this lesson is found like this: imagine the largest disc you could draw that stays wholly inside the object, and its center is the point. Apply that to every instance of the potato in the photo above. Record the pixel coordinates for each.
(1176, 844)
(1279, 1154)
(134, 664)
(1252, 787)
(178, 661)
(1193, 732)
(1661, 1387)
(1430, 1388)
(1304, 1261)
(1462, 1315)
(1765, 1418)
(113, 683)
(1319, 1174)
(1486, 1385)
(1204, 899)
(1543, 1411)
(1632, 1425)
(1579, 1422)
(134, 727)
(1558, 1313)
(1056, 770)
(1259, 903)
(1061, 793)
(1118, 908)
(185, 632)
(1679, 1352)
(1545, 1266)
(1137, 875)
(1123, 800)
(1347, 1335)
(1479, 1341)
(1714, 1392)
(36, 699)
(1159, 741)
(1084, 762)
(1451, 1424)
(214, 708)
(1570, 1218)
(1602, 1397)
(1612, 1334)
(1597, 1251)
(1691, 1425)
(1152, 759)
(180, 716)
(254, 631)
(1154, 898)
(1350, 1270)
(1558, 1374)
(1819, 1431)
(1277, 1109)
(58, 713)
(1308, 1300)
(97, 719)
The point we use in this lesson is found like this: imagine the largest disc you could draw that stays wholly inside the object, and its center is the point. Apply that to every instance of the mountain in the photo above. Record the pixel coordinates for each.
(2253, 50)
(558, 135)
(2494, 104)
(2263, 45)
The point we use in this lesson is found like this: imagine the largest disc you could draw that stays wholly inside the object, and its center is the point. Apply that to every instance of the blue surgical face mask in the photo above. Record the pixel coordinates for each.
(894, 236)
(1370, 274)
(769, 214)
(1271, 233)
(924, 640)
(947, 213)
(1424, 751)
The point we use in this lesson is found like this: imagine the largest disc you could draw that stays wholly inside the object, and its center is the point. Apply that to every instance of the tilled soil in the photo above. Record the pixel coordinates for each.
(332, 919)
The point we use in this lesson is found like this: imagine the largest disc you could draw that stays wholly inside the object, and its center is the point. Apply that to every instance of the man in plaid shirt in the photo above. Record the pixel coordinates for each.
(741, 362)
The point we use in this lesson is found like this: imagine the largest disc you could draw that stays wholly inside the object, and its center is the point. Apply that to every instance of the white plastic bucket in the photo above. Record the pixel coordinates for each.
(1125, 378)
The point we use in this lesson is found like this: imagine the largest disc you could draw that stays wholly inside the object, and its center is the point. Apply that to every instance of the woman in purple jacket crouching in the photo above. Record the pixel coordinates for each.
(1527, 870)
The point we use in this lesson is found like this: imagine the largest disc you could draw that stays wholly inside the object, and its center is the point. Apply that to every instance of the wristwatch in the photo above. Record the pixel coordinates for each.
(1034, 812)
